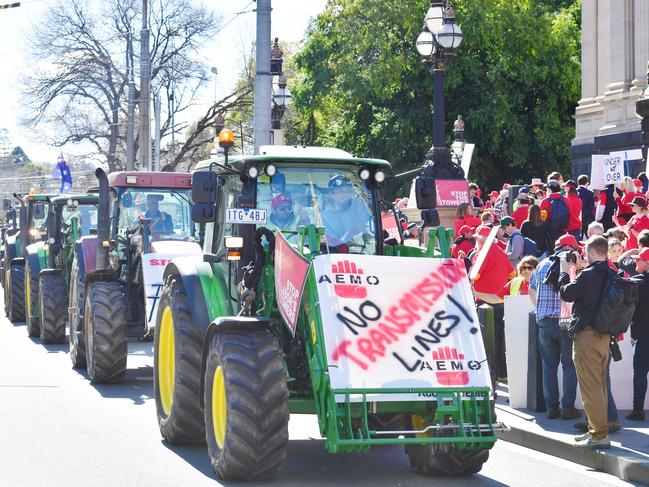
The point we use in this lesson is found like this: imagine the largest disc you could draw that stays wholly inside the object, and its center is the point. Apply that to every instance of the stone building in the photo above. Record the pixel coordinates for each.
(614, 56)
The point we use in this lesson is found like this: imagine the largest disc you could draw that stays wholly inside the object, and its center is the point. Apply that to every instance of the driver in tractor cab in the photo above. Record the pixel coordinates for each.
(345, 217)
(282, 214)
(161, 222)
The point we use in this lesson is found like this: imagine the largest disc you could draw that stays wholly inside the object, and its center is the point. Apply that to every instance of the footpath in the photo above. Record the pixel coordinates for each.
(627, 458)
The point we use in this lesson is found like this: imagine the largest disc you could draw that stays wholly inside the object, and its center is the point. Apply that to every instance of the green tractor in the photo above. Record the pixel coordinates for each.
(301, 304)
(31, 228)
(49, 263)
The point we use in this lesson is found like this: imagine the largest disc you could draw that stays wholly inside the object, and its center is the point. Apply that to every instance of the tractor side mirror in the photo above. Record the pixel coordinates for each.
(425, 192)
(6, 204)
(430, 218)
(203, 212)
(38, 211)
(204, 187)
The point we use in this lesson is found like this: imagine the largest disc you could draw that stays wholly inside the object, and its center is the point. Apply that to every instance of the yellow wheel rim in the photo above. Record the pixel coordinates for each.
(418, 423)
(219, 412)
(166, 360)
(28, 295)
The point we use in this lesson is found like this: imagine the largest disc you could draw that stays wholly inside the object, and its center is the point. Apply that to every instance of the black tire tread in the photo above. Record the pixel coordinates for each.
(110, 332)
(185, 423)
(33, 322)
(53, 307)
(257, 405)
(77, 297)
(17, 278)
(446, 460)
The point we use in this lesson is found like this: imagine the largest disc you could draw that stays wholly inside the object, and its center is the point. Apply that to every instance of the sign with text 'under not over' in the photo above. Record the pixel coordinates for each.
(399, 322)
(291, 269)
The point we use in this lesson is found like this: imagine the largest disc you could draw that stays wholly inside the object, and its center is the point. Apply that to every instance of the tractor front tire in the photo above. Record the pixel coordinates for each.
(75, 318)
(106, 332)
(53, 307)
(31, 299)
(246, 405)
(17, 283)
(177, 352)
(446, 459)
(6, 288)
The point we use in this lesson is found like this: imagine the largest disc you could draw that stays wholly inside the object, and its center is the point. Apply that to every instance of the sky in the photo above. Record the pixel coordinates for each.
(290, 19)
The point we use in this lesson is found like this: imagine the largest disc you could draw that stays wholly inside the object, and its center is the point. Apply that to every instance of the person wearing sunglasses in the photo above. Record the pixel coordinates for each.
(520, 285)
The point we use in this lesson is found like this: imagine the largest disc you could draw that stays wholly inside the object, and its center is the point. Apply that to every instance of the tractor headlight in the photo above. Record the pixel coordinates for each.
(252, 172)
(233, 246)
(364, 174)
(379, 176)
(271, 170)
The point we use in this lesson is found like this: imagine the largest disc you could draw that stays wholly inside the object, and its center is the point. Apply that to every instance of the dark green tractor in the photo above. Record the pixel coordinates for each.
(50, 264)
(32, 218)
(301, 304)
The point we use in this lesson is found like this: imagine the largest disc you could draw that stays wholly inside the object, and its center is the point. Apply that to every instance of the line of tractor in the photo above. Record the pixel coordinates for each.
(236, 273)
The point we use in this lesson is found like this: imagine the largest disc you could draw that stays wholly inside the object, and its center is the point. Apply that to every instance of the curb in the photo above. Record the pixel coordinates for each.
(613, 461)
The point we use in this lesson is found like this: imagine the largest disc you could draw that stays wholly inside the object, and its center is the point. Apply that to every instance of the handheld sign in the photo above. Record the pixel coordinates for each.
(291, 269)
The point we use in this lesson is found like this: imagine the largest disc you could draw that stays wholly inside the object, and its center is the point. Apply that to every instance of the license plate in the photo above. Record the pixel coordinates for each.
(246, 215)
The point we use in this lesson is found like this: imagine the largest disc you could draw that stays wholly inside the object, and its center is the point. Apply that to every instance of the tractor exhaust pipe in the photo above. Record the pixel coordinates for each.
(103, 219)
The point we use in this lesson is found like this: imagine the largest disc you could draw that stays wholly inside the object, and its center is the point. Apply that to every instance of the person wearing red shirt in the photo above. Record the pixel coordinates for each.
(464, 217)
(574, 205)
(546, 205)
(495, 271)
(464, 243)
(521, 213)
(624, 211)
(638, 222)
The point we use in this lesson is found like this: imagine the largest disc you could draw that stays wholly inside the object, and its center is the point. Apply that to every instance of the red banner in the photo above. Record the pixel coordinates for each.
(291, 269)
(452, 192)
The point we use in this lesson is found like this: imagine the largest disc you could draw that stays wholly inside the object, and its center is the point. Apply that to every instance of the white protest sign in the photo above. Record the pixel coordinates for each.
(467, 155)
(399, 322)
(597, 172)
(628, 155)
(613, 170)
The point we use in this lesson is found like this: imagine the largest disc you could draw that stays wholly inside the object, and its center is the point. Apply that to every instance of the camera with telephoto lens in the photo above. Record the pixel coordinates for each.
(616, 354)
(571, 257)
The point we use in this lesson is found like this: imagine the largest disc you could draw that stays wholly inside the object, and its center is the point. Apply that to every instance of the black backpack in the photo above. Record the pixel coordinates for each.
(559, 216)
(616, 305)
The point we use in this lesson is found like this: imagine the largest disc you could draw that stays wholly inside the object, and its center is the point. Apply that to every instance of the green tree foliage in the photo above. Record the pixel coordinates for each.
(515, 80)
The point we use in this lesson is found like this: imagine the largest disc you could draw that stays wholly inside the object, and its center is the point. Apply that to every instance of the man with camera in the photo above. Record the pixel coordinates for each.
(590, 348)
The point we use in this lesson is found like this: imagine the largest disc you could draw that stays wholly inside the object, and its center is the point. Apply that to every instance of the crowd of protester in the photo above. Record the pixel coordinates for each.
(526, 233)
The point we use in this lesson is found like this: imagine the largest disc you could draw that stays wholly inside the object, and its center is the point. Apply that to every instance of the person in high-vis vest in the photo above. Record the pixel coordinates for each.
(520, 285)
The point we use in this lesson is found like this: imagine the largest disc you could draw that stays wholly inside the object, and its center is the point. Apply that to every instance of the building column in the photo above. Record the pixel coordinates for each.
(641, 44)
(588, 52)
(618, 46)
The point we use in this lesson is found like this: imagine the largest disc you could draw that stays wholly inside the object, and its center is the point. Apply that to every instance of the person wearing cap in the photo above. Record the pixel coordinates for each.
(640, 334)
(638, 222)
(637, 184)
(574, 206)
(493, 199)
(522, 208)
(587, 198)
(464, 243)
(515, 240)
(546, 205)
(590, 348)
(282, 214)
(538, 188)
(161, 222)
(345, 216)
(411, 235)
(555, 344)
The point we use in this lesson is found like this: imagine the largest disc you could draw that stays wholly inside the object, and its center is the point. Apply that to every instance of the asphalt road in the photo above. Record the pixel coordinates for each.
(58, 429)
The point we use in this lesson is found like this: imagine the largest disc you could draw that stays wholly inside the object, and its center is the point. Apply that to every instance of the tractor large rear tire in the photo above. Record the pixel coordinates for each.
(177, 352)
(106, 332)
(17, 283)
(31, 299)
(75, 318)
(445, 459)
(6, 288)
(53, 306)
(246, 405)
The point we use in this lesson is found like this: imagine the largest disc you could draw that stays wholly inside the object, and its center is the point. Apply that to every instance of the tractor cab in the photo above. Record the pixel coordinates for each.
(289, 188)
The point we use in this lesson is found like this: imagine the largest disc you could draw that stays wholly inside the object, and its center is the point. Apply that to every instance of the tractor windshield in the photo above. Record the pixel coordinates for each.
(86, 217)
(331, 197)
(168, 212)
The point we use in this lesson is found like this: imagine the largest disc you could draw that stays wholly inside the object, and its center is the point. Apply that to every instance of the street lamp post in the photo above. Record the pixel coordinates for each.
(281, 94)
(436, 44)
(215, 72)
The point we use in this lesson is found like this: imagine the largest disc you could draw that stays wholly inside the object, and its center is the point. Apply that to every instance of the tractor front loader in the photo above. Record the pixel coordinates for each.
(144, 220)
(50, 262)
(298, 305)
